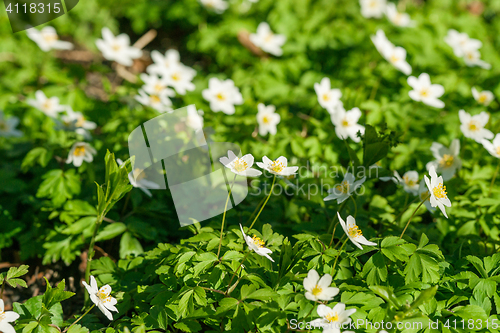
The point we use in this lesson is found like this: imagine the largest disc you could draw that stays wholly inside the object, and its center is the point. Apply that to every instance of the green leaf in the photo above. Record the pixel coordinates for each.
(375, 270)
(424, 296)
(186, 303)
(129, 245)
(55, 295)
(478, 264)
(111, 231)
(38, 155)
(59, 186)
(387, 293)
(226, 304)
(392, 249)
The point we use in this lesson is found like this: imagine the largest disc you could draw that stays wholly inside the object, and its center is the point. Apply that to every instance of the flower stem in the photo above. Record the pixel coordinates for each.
(404, 209)
(90, 253)
(236, 272)
(336, 259)
(334, 226)
(224, 217)
(67, 329)
(355, 206)
(494, 177)
(255, 210)
(407, 224)
(265, 202)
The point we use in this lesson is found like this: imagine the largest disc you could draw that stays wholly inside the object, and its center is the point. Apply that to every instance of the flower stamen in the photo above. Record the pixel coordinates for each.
(257, 241)
(440, 191)
(354, 231)
(446, 161)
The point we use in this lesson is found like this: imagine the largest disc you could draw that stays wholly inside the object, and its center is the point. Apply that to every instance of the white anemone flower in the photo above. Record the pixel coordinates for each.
(484, 97)
(257, 245)
(425, 92)
(395, 55)
(267, 41)
(397, 18)
(194, 118)
(137, 178)
(268, 119)
(163, 63)
(345, 189)
(277, 167)
(447, 161)
(7, 317)
(328, 98)
(437, 190)
(222, 95)
(346, 123)
(373, 8)
(460, 42)
(117, 48)
(409, 181)
(240, 166)
(101, 297)
(332, 319)
(8, 126)
(380, 41)
(47, 39)
(159, 101)
(79, 152)
(493, 148)
(153, 84)
(218, 6)
(353, 232)
(473, 126)
(318, 289)
(78, 122)
(472, 58)
(423, 193)
(49, 106)
(179, 77)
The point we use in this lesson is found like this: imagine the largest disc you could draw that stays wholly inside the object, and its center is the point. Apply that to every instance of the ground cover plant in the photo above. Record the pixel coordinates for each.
(368, 135)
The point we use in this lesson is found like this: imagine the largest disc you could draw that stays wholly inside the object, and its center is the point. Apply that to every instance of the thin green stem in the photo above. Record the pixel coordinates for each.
(90, 254)
(265, 202)
(3, 288)
(67, 328)
(236, 272)
(336, 259)
(404, 209)
(355, 206)
(407, 224)
(255, 210)
(494, 177)
(334, 226)
(224, 217)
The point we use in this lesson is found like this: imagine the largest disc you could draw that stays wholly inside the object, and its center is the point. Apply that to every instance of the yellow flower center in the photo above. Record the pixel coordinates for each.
(343, 187)
(159, 87)
(354, 231)
(326, 97)
(139, 174)
(498, 150)
(79, 151)
(332, 317)
(221, 97)
(373, 4)
(345, 122)
(2, 316)
(394, 58)
(176, 77)
(277, 166)
(80, 122)
(154, 99)
(439, 191)
(473, 126)
(482, 98)
(103, 296)
(47, 105)
(116, 47)
(240, 165)
(265, 120)
(257, 241)
(446, 161)
(470, 56)
(424, 92)
(408, 181)
(50, 37)
(268, 38)
(316, 290)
